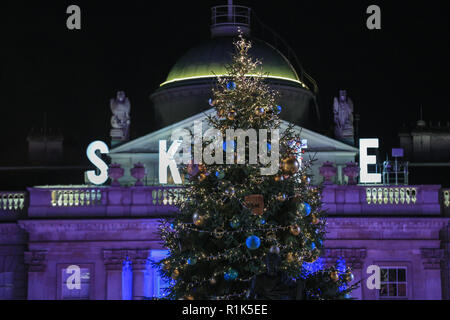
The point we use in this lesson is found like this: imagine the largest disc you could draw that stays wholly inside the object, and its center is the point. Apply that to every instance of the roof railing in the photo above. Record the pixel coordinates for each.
(235, 15)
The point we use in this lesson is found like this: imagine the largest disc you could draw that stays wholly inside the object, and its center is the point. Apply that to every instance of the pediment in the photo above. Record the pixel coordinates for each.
(150, 143)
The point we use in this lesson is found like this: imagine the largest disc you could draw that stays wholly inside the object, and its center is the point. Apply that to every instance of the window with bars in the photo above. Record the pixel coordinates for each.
(393, 283)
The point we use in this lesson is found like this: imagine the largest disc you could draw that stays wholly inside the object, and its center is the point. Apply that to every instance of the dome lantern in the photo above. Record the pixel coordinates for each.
(227, 20)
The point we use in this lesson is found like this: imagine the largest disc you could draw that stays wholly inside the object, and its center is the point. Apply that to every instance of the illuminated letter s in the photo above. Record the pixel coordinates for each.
(98, 162)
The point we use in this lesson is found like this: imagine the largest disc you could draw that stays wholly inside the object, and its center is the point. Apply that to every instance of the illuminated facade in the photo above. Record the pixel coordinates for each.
(109, 232)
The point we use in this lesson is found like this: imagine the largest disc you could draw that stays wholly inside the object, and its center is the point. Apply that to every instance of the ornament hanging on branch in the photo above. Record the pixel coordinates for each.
(234, 223)
(175, 274)
(315, 220)
(349, 277)
(274, 249)
(278, 109)
(289, 257)
(253, 242)
(197, 219)
(289, 165)
(260, 111)
(255, 202)
(334, 276)
(230, 275)
(295, 230)
(231, 85)
(232, 115)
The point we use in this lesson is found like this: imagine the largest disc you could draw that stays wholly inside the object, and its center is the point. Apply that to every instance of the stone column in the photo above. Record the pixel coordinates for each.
(37, 265)
(432, 258)
(113, 260)
(139, 259)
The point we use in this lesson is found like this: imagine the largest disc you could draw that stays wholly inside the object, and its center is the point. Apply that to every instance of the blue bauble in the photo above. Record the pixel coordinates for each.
(307, 208)
(220, 174)
(262, 221)
(172, 226)
(253, 242)
(231, 274)
(320, 242)
(231, 85)
(191, 261)
(347, 296)
(313, 245)
(234, 223)
(211, 102)
(278, 109)
(269, 146)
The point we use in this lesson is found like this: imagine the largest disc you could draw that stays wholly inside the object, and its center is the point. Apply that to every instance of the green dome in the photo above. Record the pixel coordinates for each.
(210, 59)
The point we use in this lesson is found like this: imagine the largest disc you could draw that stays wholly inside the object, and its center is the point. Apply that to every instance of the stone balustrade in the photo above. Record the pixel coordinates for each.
(101, 201)
(382, 199)
(13, 205)
(12, 201)
(144, 201)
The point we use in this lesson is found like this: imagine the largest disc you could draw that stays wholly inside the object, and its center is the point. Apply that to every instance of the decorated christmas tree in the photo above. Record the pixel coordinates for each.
(232, 217)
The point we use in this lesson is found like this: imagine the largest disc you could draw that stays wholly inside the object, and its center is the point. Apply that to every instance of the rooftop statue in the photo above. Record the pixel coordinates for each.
(120, 120)
(343, 116)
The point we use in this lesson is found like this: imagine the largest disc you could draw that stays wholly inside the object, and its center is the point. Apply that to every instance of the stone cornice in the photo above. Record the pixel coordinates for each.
(432, 257)
(93, 225)
(8, 229)
(36, 260)
(11, 233)
(354, 257)
(113, 258)
(392, 223)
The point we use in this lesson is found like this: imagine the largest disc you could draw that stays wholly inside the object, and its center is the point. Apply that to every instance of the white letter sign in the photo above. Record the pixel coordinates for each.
(365, 160)
(98, 162)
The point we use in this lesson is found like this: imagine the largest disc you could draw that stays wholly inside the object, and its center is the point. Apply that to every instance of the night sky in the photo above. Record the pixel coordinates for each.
(131, 46)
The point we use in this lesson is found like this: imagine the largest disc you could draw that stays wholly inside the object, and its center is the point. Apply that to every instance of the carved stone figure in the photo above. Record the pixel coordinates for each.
(343, 117)
(120, 120)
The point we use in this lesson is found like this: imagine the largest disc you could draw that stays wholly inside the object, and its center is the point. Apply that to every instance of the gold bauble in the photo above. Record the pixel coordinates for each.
(259, 111)
(278, 178)
(166, 266)
(201, 177)
(349, 276)
(281, 197)
(334, 276)
(175, 274)
(295, 230)
(232, 115)
(212, 280)
(315, 220)
(290, 257)
(189, 297)
(202, 168)
(290, 165)
(198, 221)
